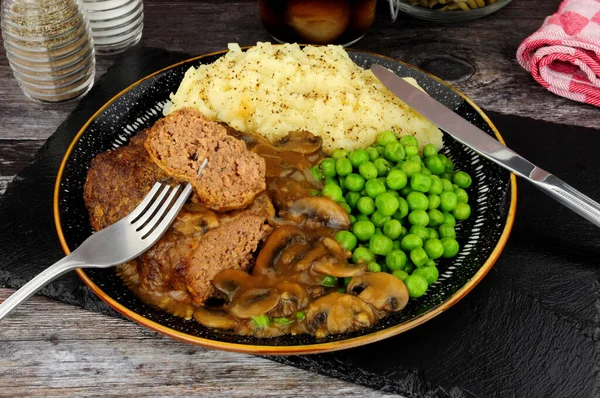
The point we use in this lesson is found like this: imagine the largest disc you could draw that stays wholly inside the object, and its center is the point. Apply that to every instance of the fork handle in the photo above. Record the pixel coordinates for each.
(49, 274)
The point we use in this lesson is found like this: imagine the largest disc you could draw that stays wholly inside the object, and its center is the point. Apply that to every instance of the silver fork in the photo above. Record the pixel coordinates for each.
(116, 244)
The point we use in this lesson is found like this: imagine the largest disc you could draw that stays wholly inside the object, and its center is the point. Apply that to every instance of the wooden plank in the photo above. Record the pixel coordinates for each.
(49, 349)
(4, 181)
(16, 154)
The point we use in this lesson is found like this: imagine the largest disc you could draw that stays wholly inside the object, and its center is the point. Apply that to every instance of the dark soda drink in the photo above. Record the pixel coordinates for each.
(317, 21)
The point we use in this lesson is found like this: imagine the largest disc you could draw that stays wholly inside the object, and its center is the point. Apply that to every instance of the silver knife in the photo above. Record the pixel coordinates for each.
(476, 139)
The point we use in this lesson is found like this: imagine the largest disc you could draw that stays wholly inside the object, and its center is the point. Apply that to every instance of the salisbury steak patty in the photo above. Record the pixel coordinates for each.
(180, 142)
(199, 244)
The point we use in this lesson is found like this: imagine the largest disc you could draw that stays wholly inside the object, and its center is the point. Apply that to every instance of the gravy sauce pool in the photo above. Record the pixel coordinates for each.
(296, 284)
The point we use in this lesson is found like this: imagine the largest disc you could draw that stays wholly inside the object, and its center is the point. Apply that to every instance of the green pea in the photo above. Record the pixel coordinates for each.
(351, 198)
(402, 209)
(366, 205)
(417, 201)
(358, 157)
(462, 211)
(405, 191)
(331, 180)
(416, 158)
(396, 179)
(448, 164)
(433, 234)
(362, 217)
(332, 191)
(418, 256)
(434, 248)
(448, 201)
(395, 193)
(386, 203)
(446, 185)
(430, 274)
(329, 281)
(395, 260)
(373, 153)
(416, 286)
(462, 179)
(363, 230)
(354, 182)
(410, 167)
(411, 241)
(436, 217)
(347, 280)
(400, 274)
(429, 150)
(435, 165)
(396, 245)
(380, 150)
(449, 219)
(420, 182)
(378, 231)
(394, 152)
(450, 247)
(261, 321)
(282, 320)
(345, 206)
(328, 167)
(447, 176)
(386, 137)
(374, 188)
(434, 201)
(409, 267)
(367, 170)
(339, 153)
(341, 179)
(316, 173)
(461, 195)
(426, 171)
(383, 167)
(409, 140)
(430, 263)
(418, 217)
(404, 232)
(436, 186)
(362, 254)
(411, 150)
(352, 219)
(420, 231)
(379, 219)
(373, 267)
(447, 231)
(343, 167)
(380, 244)
(315, 192)
(392, 229)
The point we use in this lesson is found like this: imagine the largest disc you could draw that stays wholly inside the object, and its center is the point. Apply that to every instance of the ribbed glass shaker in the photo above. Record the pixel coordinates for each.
(116, 24)
(49, 47)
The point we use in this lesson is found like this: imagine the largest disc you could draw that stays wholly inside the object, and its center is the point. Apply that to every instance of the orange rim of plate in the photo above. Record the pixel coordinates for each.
(297, 349)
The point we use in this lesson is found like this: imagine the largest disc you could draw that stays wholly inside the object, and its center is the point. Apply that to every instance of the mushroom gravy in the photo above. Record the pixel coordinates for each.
(292, 286)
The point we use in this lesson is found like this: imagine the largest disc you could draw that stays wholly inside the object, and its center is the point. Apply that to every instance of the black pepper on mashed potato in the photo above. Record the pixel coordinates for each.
(272, 90)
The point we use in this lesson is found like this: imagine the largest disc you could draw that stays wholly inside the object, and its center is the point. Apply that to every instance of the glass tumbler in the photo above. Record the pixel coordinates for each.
(116, 24)
(49, 47)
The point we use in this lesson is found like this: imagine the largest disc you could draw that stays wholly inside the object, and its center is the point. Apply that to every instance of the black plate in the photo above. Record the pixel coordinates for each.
(482, 237)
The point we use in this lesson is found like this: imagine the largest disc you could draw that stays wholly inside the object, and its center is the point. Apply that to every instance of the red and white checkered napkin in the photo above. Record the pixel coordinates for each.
(564, 54)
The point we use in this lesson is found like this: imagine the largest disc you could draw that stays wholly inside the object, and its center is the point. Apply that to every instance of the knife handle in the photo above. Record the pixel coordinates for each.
(567, 195)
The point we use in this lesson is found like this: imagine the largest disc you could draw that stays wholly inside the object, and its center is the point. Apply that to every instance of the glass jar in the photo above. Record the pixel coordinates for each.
(317, 21)
(116, 24)
(49, 47)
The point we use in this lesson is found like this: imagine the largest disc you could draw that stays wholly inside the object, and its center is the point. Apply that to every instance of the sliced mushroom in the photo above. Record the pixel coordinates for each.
(292, 253)
(338, 313)
(300, 141)
(383, 291)
(278, 240)
(284, 191)
(338, 267)
(229, 281)
(294, 297)
(310, 257)
(197, 220)
(254, 302)
(215, 319)
(314, 211)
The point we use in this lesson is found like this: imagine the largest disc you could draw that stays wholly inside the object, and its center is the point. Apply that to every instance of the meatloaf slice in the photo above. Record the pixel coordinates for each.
(118, 180)
(229, 246)
(180, 142)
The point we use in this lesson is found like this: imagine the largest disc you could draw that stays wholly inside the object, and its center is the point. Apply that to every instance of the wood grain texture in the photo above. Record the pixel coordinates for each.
(52, 349)
(49, 349)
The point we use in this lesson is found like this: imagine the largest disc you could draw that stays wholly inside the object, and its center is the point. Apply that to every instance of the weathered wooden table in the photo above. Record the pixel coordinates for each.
(48, 348)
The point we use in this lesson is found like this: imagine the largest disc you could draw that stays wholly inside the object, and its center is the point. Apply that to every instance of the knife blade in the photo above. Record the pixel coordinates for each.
(473, 137)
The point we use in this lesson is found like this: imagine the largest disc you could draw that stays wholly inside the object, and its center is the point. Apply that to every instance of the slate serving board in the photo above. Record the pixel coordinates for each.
(530, 328)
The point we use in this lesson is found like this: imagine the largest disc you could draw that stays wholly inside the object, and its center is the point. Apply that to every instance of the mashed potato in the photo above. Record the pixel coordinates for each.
(273, 90)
